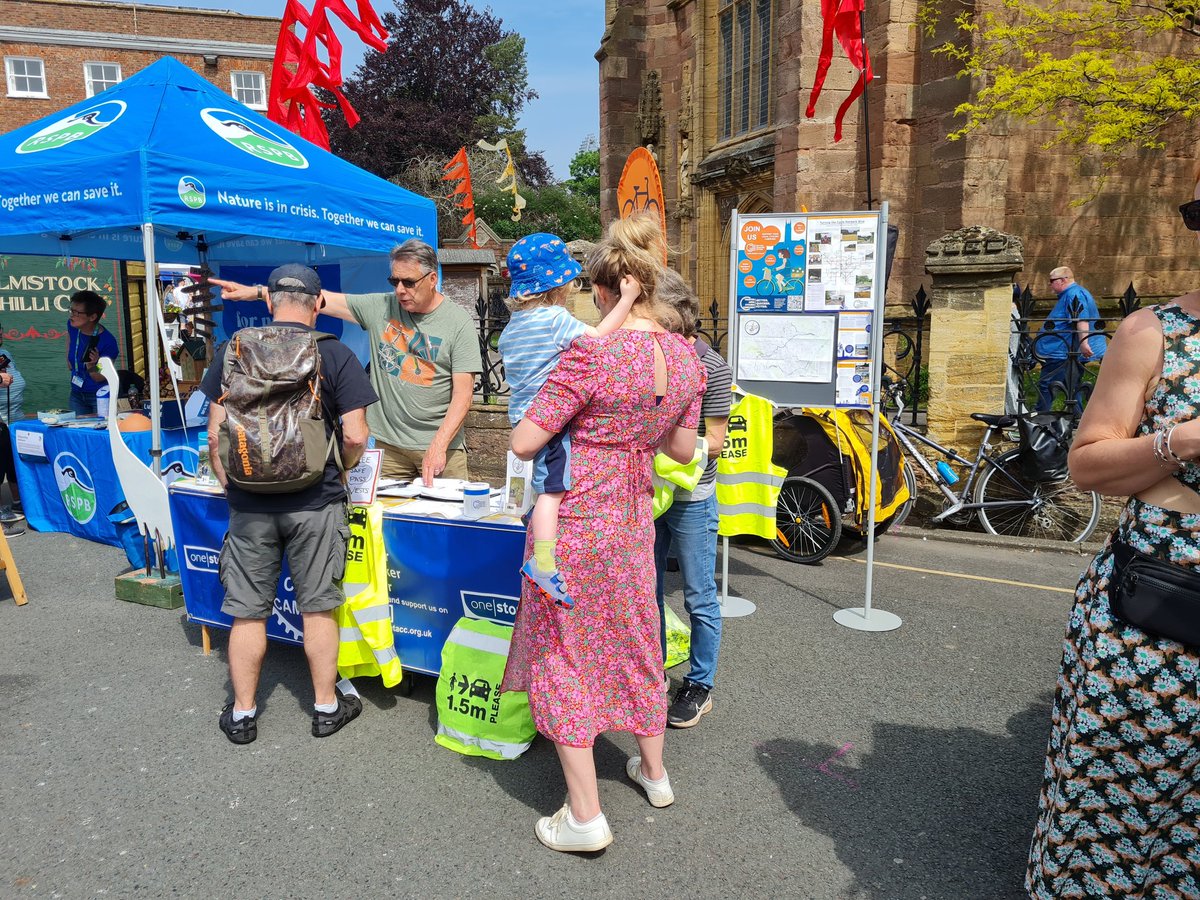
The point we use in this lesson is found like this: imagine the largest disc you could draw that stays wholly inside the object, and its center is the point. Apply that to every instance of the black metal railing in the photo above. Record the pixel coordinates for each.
(492, 315)
(904, 339)
(1054, 357)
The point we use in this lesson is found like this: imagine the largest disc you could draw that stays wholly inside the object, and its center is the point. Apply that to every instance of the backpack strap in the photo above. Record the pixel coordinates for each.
(336, 438)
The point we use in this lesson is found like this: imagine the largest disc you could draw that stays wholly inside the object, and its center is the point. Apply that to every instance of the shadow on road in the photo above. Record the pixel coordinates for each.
(957, 805)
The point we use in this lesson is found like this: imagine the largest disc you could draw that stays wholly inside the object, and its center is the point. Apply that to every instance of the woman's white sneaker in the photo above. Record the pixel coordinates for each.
(659, 792)
(561, 832)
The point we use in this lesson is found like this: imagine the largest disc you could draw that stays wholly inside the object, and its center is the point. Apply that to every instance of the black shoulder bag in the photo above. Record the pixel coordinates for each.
(1158, 597)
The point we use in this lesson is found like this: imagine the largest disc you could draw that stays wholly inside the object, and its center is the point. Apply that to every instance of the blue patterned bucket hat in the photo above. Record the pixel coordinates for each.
(539, 263)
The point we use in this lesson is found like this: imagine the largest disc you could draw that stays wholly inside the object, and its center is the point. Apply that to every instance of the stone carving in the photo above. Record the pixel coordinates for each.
(649, 116)
(975, 248)
(685, 178)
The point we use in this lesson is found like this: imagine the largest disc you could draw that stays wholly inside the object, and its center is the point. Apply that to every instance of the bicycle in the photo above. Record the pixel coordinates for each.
(1005, 500)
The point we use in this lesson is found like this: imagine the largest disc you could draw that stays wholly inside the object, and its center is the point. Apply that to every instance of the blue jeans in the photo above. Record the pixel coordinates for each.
(693, 529)
(82, 403)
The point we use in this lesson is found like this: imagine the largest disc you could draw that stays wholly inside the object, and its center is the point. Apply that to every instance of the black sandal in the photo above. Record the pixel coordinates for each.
(325, 724)
(244, 731)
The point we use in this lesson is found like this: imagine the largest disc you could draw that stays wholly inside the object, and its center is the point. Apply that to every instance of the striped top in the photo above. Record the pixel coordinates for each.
(530, 346)
(718, 398)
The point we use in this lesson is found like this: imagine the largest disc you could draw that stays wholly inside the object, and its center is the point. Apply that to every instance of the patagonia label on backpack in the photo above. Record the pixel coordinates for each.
(273, 439)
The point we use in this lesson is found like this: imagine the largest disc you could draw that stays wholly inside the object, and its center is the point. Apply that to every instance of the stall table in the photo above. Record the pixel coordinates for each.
(67, 479)
(439, 569)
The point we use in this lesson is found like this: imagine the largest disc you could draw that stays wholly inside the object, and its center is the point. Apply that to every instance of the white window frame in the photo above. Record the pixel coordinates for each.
(89, 84)
(10, 76)
(234, 87)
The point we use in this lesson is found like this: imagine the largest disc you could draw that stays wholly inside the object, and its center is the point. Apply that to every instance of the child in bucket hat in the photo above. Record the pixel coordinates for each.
(543, 274)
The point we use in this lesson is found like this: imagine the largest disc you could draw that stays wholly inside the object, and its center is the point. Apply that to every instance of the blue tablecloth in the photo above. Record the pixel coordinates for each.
(438, 571)
(72, 486)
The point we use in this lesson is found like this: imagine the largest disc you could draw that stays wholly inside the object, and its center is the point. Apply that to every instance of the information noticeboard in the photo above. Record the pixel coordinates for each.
(806, 293)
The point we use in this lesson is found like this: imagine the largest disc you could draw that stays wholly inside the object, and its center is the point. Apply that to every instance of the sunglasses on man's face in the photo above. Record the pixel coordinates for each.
(1191, 215)
(409, 283)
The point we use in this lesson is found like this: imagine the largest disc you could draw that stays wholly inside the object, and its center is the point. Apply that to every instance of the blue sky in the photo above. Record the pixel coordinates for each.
(561, 39)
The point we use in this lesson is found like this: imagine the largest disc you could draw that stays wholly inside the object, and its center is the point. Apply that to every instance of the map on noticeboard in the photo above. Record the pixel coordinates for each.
(805, 288)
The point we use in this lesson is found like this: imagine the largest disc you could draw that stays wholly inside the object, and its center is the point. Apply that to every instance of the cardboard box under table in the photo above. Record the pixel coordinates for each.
(439, 569)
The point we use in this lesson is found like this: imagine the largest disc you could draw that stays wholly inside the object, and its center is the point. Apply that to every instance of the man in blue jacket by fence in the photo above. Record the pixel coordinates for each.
(1068, 326)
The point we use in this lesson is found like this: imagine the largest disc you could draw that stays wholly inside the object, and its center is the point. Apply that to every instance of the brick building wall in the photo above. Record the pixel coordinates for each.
(65, 34)
(668, 51)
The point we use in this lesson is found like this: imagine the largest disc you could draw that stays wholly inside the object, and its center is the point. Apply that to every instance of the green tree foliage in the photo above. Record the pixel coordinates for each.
(585, 170)
(450, 76)
(1106, 75)
(570, 209)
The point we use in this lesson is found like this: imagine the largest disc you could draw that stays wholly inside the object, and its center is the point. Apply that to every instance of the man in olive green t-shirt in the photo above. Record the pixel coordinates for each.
(424, 359)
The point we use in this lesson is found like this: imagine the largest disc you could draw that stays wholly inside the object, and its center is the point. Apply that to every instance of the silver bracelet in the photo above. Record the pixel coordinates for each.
(1160, 452)
(1171, 453)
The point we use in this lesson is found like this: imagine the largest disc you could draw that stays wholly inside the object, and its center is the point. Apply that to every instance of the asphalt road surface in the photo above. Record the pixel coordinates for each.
(835, 763)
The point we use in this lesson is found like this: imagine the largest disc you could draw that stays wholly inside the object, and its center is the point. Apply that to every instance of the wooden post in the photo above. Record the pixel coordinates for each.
(9, 565)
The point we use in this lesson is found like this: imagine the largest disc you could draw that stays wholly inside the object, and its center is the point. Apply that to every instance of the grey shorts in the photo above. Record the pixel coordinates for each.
(252, 558)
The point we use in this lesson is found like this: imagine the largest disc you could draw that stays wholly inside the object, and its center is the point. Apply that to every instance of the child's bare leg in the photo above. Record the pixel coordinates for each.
(544, 525)
(542, 568)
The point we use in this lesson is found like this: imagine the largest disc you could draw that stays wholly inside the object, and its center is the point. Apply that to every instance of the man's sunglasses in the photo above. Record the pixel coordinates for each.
(1191, 215)
(409, 283)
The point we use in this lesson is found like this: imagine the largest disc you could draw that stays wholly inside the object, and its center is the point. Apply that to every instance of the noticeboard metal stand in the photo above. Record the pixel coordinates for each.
(866, 617)
(799, 388)
(731, 607)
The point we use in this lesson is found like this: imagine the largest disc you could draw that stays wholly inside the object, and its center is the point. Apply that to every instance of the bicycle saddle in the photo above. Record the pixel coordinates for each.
(997, 421)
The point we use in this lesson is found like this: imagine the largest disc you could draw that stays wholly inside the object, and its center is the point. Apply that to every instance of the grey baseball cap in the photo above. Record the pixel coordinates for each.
(295, 278)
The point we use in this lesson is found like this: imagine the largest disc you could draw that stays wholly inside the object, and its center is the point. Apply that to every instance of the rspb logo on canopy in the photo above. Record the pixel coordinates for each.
(496, 608)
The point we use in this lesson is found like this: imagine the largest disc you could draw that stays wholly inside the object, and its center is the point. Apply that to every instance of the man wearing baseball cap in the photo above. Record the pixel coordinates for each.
(424, 359)
(307, 524)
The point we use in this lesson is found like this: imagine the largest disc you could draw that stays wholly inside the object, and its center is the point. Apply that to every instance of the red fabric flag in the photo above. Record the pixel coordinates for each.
(298, 67)
(841, 20)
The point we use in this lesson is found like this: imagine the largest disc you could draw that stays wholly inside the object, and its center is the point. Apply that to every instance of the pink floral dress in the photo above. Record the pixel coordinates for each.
(598, 666)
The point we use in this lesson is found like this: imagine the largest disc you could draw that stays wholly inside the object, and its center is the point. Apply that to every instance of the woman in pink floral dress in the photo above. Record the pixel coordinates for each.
(597, 666)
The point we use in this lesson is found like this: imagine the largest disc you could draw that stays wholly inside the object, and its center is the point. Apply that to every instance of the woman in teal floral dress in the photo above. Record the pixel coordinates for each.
(1120, 805)
(597, 666)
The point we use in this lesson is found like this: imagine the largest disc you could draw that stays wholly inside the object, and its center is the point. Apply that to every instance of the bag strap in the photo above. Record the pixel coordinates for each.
(335, 439)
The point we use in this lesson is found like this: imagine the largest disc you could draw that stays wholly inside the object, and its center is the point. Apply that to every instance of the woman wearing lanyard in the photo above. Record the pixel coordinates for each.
(88, 340)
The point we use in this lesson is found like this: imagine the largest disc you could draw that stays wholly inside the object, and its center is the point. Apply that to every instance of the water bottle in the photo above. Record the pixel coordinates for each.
(102, 402)
(947, 473)
(204, 472)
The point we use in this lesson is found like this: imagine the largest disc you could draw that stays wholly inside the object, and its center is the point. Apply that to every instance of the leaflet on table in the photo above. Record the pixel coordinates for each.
(841, 263)
(854, 335)
(362, 480)
(30, 443)
(853, 386)
(770, 262)
(796, 348)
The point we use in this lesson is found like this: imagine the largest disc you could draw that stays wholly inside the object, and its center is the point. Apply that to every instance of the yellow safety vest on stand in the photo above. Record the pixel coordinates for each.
(747, 481)
(366, 645)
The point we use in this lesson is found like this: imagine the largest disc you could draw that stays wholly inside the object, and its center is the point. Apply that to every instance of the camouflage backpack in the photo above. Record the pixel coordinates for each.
(273, 438)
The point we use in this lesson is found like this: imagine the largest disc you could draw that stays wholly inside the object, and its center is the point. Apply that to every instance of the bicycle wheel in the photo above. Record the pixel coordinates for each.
(910, 482)
(807, 521)
(1051, 510)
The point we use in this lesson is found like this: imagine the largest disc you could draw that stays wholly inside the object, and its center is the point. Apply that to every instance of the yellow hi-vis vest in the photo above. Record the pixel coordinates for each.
(366, 645)
(474, 718)
(669, 475)
(747, 481)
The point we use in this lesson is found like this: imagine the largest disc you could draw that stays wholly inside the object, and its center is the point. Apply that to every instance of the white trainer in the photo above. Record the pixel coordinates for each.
(561, 832)
(658, 793)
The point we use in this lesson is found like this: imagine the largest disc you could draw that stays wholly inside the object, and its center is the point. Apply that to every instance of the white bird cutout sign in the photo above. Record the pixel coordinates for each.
(144, 491)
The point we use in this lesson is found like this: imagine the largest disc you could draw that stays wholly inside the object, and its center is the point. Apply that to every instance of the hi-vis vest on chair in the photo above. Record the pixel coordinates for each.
(747, 481)
(474, 718)
(366, 645)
